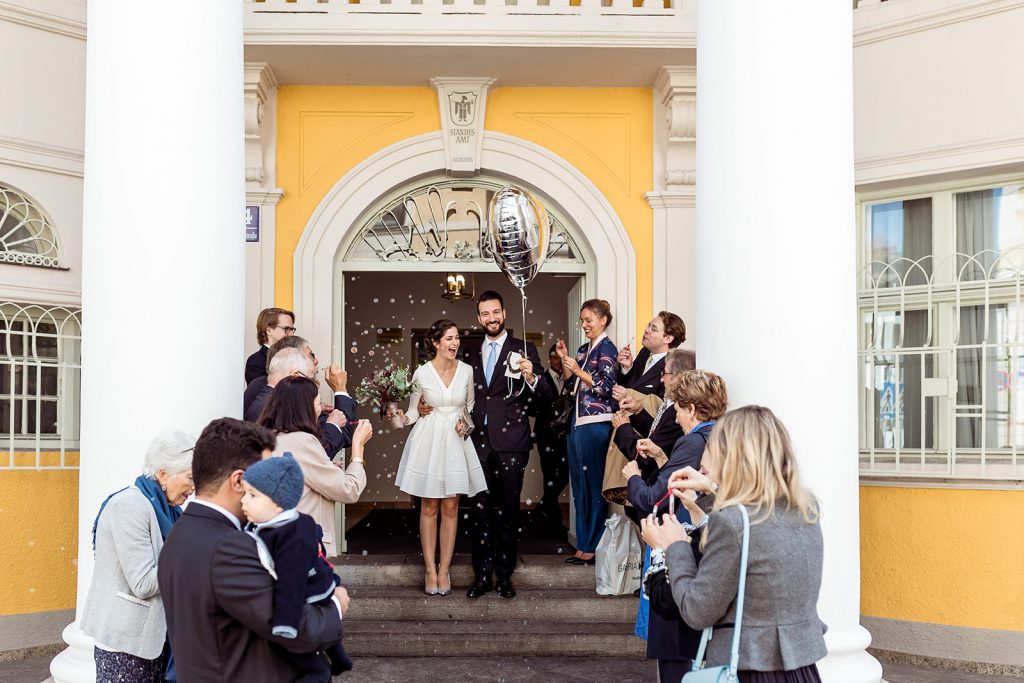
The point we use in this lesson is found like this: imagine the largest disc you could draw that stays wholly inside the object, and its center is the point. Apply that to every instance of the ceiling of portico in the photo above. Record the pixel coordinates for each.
(511, 66)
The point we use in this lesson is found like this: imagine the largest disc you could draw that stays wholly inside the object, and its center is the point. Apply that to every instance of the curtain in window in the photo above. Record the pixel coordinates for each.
(975, 375)
(976, 230)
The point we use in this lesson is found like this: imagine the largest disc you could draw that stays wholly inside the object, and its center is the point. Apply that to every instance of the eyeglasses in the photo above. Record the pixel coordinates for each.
(668, 374)
(287, 330)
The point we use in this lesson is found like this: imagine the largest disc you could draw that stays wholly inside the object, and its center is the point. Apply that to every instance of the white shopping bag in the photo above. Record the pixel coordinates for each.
(619, 557)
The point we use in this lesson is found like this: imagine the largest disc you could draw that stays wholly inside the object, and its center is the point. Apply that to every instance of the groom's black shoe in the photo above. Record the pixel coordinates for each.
(478, 588)
(506, 589)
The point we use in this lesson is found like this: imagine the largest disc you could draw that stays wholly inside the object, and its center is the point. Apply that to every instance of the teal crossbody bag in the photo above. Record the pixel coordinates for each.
(723, 674)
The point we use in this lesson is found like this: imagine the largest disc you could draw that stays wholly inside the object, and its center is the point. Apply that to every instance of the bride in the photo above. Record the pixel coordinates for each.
(438, 463)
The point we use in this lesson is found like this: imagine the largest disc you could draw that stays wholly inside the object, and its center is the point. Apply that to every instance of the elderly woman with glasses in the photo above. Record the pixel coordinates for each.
(123, 611)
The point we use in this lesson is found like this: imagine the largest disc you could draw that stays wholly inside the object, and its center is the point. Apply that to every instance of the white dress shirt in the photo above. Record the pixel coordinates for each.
(652, 359)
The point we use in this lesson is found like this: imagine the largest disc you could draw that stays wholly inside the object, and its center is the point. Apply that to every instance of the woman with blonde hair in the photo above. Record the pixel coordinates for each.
(749, 463)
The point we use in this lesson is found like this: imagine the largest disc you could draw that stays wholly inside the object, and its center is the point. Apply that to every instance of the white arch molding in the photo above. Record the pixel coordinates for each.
(602, 233)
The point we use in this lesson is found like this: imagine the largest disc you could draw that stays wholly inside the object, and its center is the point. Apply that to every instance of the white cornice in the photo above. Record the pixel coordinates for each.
(676, 80)
(260, 78)
(940, 483)
(887, 20)
(264, 197)
(34, 293)
(42, 157)
(943, 159)
(673, 199)
(47, 21)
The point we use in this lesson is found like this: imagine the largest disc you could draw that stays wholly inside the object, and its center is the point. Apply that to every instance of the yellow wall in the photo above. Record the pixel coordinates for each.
(323, 132)
(606, 133)
(943, 556)
(38, 539)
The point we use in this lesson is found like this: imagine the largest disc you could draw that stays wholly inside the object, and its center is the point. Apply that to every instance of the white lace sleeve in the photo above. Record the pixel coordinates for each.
(413, 413)
(470, 390)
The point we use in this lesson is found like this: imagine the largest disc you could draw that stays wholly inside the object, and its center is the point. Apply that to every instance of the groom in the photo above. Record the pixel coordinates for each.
(501, 436)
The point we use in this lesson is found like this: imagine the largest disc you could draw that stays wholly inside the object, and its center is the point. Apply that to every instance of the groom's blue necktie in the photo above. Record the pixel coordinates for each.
(492, 359)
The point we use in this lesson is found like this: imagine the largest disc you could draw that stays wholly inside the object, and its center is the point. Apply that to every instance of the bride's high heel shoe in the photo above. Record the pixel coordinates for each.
(427, 589)
(445, 591)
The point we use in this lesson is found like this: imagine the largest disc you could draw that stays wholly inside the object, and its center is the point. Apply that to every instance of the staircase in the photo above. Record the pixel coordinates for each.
(555, 614)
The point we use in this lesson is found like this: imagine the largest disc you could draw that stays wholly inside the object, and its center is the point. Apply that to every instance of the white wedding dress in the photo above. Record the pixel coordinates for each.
(436, 461)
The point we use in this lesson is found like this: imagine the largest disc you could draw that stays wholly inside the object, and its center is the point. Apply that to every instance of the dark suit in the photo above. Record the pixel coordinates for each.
(502, 440)
(645, 382)
(333, 439)
(256, 365)
(252, 390)
(551, 447)
(219, 603)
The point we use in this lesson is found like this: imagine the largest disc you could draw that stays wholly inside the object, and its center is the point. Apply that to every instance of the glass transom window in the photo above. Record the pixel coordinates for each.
(26, 235)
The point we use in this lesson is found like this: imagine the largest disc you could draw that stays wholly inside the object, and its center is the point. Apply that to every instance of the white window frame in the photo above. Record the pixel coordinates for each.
(14, 444)
(944, 295)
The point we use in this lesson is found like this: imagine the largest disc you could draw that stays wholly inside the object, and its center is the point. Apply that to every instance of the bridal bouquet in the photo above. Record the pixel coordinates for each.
(386, 390)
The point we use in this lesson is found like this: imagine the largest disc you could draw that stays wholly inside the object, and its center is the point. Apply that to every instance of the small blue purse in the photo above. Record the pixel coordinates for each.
(721, 674)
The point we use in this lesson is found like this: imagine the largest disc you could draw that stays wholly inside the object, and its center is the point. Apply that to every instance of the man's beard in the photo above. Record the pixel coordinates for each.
(501, 328)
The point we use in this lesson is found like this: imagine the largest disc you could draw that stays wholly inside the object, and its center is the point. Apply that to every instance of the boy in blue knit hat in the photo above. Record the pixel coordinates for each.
(289, 546)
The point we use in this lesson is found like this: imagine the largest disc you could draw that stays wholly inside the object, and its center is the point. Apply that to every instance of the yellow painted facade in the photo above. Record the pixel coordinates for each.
(38, 538)
(324, 131)
(943, 556)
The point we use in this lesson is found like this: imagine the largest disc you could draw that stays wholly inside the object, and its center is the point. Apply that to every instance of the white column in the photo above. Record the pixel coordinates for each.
(163, 245)
(776, 258)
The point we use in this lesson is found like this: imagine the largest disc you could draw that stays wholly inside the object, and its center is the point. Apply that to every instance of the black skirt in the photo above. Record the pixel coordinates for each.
(805, 674)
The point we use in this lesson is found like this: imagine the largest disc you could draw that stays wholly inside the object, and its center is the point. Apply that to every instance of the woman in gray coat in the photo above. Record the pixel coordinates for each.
(123, 612)
(750, 457)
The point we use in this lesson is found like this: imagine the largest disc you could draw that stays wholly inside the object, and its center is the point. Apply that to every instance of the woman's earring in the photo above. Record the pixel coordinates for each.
(163, 487)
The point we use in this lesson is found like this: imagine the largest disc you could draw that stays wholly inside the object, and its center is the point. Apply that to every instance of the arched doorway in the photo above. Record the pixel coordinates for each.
(374, 256)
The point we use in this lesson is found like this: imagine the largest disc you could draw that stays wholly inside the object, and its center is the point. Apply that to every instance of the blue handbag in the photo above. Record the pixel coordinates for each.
(720, 674)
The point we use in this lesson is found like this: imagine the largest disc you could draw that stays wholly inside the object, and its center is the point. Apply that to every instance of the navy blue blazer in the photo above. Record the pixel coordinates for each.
(687, 453)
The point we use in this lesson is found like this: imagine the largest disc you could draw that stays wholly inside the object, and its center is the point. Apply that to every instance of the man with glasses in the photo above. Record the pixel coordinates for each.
(665, 331)
(272, 325)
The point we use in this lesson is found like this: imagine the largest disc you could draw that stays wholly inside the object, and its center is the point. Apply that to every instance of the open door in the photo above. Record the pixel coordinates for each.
(575, 340)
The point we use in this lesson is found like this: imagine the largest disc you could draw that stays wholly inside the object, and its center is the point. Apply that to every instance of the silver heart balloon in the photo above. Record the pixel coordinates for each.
(518, 230)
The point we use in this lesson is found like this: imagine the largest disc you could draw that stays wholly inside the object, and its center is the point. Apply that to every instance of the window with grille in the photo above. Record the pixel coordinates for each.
(40, 370)
(941, 306)
(26, 234)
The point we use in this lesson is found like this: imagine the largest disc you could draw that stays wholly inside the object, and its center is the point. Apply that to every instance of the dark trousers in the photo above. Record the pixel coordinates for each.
(672, 670)
(554, 466)
(495, 513)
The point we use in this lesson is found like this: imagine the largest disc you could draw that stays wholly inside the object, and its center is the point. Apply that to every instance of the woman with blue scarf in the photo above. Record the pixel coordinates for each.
(123, 612)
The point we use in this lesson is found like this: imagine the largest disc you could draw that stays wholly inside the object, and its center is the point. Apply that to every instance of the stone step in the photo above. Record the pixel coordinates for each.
(534, 571)
(530, 605)
(444, 638)
(507, 668)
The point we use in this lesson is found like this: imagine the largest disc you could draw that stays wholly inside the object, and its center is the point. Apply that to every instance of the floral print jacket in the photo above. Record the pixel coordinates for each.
(595, 404)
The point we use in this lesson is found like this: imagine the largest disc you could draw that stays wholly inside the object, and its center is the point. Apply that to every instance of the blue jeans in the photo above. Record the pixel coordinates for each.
(588, 446)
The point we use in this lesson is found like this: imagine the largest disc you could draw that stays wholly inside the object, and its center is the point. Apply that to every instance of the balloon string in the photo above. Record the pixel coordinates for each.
(511, 391)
